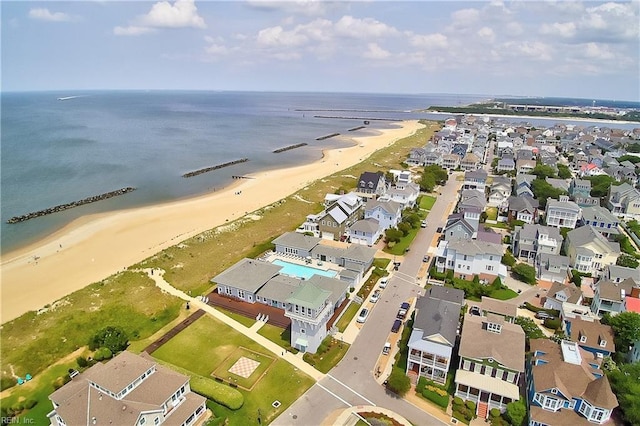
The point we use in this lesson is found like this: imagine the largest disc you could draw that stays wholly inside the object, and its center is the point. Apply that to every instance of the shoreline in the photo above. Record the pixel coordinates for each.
(97, 246)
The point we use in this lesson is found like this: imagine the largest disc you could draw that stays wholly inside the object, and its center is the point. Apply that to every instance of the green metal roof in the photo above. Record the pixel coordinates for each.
(309, 296)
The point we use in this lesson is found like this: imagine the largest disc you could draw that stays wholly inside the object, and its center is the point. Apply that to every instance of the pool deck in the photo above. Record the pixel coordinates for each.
(296, 260)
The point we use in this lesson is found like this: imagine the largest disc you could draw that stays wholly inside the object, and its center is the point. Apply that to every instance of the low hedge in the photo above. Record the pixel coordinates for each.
(435, 397)
(217, 392)
(532, 308)
(553, 324)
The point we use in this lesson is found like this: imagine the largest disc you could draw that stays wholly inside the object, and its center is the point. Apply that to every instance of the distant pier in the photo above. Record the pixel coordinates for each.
(210, 169)
(357, 118)
(287, 148)
(321, 138)
(71, 205)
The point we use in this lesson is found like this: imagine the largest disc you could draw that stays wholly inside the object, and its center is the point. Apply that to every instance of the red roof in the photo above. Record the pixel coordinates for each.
(632, 304)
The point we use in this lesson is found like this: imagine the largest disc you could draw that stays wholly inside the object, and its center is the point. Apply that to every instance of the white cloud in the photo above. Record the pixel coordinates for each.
(215, 46)
(429, 41)
(534, 50)
(297, 7)
(465, 17)
(363, 28)
(44, 14)
(565, 29)
(131, 30)
(487, 34)
(180, 14)
(597, 51)
(374, 51)
(277, 36)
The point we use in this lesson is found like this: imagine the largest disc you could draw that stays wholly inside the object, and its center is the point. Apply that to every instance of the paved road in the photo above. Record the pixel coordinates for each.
(352, 382)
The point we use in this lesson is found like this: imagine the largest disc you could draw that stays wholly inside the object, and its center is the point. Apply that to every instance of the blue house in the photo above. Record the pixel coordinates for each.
(590, 335)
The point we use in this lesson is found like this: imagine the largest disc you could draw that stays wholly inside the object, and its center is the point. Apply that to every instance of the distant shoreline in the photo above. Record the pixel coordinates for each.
(539, 117)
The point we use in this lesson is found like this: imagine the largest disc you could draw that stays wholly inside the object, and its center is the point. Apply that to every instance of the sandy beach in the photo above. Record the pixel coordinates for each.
(97, 246)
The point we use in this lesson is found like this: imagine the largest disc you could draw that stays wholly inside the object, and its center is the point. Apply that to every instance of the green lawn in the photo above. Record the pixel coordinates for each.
(492, 213)
(399, 248)
(278, 335)
(223, 370)
(504, 294)
(246, 321)
(427, 202)
(208, 342)
(347, 316)
(327, 360)
(381, 262)
(500, 225)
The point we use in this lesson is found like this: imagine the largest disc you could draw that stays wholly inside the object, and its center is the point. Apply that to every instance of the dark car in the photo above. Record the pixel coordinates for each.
(402, 312)
(439, 230)
(396, 326)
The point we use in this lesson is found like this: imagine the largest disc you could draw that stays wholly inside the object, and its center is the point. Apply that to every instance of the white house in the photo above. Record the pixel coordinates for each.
(467, 258)
(562, 213)
(387, 213)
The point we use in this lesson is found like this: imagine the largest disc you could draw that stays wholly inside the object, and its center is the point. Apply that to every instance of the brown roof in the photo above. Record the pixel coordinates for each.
(120, 371)
(500, 307)
(572, 380)
(560, 417)
(599, 393)
(612, 291)
(184, 410)
(506, 347)
(594, 332)
(572, 291)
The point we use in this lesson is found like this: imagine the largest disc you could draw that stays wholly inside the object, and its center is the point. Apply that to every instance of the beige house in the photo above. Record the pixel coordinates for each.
(491, 368)
(128, 390)
(589, 251)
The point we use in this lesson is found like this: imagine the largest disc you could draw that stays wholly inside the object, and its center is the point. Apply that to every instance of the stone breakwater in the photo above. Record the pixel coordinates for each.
(71, 205)
(321, 138)
(210, 169)
(287, 148)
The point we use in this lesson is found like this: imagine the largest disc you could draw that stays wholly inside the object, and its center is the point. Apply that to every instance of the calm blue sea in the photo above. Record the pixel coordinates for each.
(55, 152)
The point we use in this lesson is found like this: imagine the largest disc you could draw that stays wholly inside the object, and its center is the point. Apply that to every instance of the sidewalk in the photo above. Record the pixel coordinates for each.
(251, 333)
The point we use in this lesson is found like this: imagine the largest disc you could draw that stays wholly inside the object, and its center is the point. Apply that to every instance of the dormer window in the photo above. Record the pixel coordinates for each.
(603, 343)
(494, 328)
(583, 338)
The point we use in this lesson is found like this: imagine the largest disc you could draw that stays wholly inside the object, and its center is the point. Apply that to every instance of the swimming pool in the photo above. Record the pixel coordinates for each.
(302, 271)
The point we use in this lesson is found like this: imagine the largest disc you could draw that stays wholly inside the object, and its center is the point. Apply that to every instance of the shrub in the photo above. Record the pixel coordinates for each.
(217, 392)
(30, 403)
(102, 354)
(422, 383)
(494, 412)
(553, 324)
(471, 406)
(82, 362)
(7, 382)
(525, 273)
(516, 412)
(458, 401)
(508, 259)
(434, 395)
(114, 338)
(17, 408)
(398, 382)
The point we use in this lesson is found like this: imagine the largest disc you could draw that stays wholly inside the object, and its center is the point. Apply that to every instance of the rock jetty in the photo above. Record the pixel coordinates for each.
(210, 169)
(321, 138)
(71, 205)
(287, 148)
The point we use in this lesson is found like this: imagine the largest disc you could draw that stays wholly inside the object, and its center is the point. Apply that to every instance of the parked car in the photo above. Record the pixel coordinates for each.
(383, 282)
(396, 326)
(362, 316)
(439, 230)
(423, 224)
(386, 349)
(474, 311)
(375, 296)
(404, 308)
(426, 259)
(543, 315)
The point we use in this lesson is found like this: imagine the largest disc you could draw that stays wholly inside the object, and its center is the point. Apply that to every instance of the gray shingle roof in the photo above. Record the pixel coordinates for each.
(297, 240)
(247, 274)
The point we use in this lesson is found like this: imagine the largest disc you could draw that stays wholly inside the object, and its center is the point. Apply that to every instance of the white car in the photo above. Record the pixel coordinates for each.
(375, 296)
(423, 224)
(383, 282)
(362, 316)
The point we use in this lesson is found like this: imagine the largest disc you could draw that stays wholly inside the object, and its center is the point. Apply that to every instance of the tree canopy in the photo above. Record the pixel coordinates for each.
(626, 326)
(398, 382)
(542, 190)
(542, 171)
(431, 176)
(525, 273)
(113, 338)
(564, 172)
(600, 184)
(626, 386)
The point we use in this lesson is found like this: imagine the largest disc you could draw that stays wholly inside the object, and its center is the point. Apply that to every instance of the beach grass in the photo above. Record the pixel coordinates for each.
(129, 300)
(208, 343)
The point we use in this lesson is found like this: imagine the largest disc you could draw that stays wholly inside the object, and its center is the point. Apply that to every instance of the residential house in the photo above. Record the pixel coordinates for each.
(589, 250)
(309, 308)
(491, 368)
(523, 185)
(623, 173)
(472, 199)
(475, 179)
(609, 296)
(553, 268)
(560, 293)
(624, 200)
(372, 184)
(450, 161)
(461, 225)
(130, 389)
(435, 328)
(558, 183)
(562, 213)
(525, 166)
(341, 211)
(387, 213)
(433, 158)
(618, 274)
(592, 336)
(580, 187)
(499, 193)
(503, 145)
(601, 219)
(580, 159)
(505, 165)
(417, 157)
(585, 201)
(532, 240)
(467, 258)
(523, 208)
(365, 232)
(404, 194)
(566, 386)
(470, 162)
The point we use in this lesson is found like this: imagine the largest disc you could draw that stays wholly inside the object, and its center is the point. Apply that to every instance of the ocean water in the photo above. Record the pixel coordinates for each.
(56, 152)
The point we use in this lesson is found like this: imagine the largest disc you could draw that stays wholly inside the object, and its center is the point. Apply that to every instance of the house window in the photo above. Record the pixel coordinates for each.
(241, 294)
(302, 331)
(598, 414)
(511, 376)
(583, 338)
(156, 421)
(603, 343)
(142, 421)
(466, 365)
(477, 367)
(489, 268)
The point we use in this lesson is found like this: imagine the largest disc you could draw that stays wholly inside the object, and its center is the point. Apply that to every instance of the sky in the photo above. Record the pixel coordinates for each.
(585, 49)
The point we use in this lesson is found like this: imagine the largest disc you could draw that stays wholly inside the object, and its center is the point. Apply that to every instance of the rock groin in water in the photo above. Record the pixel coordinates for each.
(210, 169)
(287, 148)
(71, 205)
